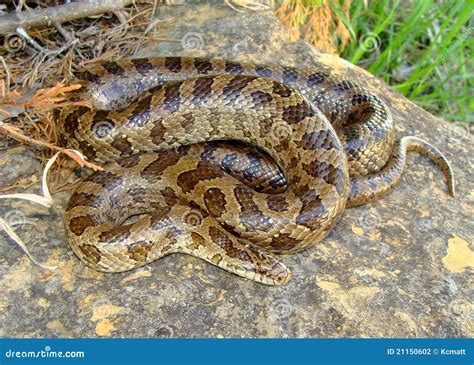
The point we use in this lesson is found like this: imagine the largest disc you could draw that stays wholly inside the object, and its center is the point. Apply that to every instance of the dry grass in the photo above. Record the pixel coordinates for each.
(317, 22)
(241, 5)
(96, 38)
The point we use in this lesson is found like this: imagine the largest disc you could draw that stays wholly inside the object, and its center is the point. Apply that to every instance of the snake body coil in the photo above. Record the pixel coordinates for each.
(191, 146)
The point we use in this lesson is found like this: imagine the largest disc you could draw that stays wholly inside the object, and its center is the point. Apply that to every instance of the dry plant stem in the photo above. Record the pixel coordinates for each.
(240, 5)
(15, 133)
(22, 183)
(22, 32)
(120, 15)
(57, 14)
(4, 226)
(44, 98)
(5, 85)
(68, 37)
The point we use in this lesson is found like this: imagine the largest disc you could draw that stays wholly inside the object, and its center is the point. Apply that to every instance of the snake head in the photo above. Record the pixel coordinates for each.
(265, 268)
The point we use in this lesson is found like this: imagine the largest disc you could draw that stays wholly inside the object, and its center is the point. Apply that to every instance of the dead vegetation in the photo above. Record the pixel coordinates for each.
(317, 22)
(49, 67)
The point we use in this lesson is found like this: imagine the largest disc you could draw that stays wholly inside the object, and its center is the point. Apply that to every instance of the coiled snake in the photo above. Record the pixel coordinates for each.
(300, 146)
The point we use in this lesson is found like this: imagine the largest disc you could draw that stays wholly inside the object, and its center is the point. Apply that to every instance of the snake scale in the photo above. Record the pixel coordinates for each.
(229, 162)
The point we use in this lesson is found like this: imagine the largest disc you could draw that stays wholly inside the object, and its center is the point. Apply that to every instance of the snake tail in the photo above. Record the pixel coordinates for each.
(366, 189)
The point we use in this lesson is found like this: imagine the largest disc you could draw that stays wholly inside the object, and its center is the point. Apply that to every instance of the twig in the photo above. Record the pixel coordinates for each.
(120, 16)
(42, 99)
(22, 32)
(68, 37)
(21, 183)
(57, 14)
(16, 133)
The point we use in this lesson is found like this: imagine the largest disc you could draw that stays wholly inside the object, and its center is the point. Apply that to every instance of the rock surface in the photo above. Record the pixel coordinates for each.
(399, 267)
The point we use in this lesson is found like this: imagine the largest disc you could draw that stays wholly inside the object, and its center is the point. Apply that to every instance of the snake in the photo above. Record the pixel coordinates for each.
(231, 162)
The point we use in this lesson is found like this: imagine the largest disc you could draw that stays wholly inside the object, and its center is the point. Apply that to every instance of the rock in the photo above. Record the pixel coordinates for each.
(396, 268)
